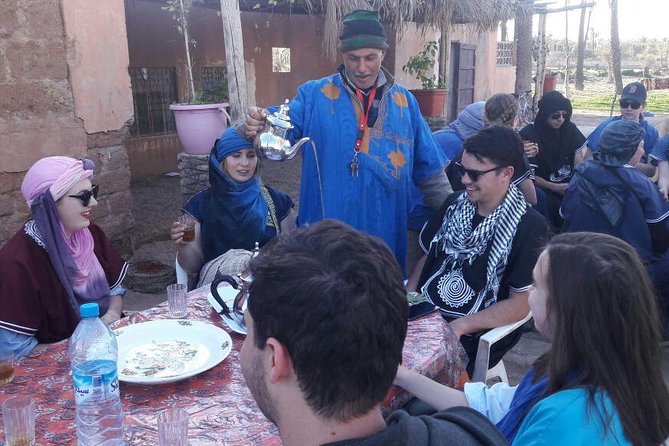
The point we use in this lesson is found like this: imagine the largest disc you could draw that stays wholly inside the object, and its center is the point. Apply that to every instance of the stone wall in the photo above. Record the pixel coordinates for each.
(65, 90)
(194, 173)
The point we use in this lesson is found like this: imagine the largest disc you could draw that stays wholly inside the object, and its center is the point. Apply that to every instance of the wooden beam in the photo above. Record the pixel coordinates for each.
(234, 59)
(564, 8)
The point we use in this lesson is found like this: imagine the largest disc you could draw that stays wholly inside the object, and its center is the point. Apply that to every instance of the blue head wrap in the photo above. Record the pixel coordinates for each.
(230, 142)
(619, 142)
(469, 121)
(236, 213)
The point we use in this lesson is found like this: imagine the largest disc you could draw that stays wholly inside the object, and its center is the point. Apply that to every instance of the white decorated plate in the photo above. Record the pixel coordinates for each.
(164, 351)
(228, 294)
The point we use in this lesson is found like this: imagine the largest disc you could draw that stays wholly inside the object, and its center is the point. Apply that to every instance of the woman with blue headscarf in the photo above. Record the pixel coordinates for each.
(234, 212)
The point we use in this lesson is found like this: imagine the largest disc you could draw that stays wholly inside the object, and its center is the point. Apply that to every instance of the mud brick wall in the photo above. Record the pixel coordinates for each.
(194, 173)
(39, 115)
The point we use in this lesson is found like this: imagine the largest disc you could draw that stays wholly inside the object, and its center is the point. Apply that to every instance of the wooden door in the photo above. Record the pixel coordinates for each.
(463, 75)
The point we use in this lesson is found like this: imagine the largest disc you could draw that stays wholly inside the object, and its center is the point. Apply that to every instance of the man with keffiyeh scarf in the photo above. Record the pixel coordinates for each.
(481, 246)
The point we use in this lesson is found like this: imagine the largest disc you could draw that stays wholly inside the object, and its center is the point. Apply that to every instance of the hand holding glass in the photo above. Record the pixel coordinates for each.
(188, 223)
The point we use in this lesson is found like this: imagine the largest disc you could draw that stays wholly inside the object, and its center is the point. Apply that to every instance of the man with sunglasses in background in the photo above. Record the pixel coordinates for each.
(481, 247)
(632, 105)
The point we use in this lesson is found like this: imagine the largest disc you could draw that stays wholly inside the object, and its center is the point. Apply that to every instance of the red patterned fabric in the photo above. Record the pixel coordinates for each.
(221, 408)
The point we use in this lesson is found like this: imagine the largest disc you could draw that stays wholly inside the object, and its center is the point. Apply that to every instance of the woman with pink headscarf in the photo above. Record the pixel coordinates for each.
(58, 260)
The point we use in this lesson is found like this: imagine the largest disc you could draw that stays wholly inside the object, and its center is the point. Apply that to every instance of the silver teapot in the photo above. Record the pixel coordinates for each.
(242, 283)
(271, 143)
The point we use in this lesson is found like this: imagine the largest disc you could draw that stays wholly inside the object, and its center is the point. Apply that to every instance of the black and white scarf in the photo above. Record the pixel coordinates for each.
(460, 243)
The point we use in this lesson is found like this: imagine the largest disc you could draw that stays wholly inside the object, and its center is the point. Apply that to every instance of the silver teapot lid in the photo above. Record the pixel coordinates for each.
(280, 117)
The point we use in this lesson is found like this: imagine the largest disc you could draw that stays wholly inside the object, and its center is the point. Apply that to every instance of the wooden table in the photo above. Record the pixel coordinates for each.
(221, 408)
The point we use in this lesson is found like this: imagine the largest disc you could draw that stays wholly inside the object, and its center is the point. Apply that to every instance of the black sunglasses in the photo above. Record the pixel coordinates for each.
(559, 115)
(473, 174)
(86, 195)
(624, 103)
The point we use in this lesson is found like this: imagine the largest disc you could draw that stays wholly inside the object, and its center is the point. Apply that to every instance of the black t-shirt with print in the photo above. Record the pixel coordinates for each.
(517, 276)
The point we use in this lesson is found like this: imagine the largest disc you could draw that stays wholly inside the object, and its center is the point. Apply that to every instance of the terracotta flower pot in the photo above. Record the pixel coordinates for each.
(199, 125)
(431, 102)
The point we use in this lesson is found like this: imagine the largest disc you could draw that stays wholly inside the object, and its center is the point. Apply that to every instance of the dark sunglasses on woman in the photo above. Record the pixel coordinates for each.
(473, 174)
(86, 195)
(558, 115)
(624, 103)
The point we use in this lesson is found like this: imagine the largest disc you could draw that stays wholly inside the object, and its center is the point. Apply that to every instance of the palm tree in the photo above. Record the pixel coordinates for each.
(523, 37)
(580, 52)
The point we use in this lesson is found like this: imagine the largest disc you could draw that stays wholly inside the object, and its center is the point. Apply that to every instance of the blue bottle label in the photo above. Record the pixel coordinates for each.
(95, 380)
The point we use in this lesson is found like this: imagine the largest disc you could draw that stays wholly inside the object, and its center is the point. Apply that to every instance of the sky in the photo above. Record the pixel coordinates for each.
(636, 19)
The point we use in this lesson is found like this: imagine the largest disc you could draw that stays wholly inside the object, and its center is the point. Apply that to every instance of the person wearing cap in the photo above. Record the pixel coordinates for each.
(480, 248)
(559, 142)
(632, 105)
(232, 214)
(58, 260)
(371, 142)
(608, 195)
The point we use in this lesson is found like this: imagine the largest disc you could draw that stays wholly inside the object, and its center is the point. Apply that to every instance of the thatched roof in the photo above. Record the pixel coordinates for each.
(485, 14)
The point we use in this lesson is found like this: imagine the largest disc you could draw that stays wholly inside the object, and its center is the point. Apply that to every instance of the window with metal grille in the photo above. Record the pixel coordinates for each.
(214, 84)
(153, 90)
(504, 54)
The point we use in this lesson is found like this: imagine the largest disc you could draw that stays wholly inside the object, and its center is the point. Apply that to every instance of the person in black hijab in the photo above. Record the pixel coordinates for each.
(558, 140)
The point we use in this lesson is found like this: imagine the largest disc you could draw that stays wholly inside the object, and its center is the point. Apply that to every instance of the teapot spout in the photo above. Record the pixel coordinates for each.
(290, 153)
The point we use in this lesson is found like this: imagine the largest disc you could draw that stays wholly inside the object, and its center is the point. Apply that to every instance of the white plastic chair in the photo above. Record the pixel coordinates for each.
(481, 371)
(182, 275)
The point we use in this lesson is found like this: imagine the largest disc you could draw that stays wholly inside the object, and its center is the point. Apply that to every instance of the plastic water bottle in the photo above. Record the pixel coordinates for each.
(93, 356)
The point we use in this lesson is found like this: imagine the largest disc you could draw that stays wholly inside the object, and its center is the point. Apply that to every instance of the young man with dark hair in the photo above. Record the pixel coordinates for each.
(327, 317)
(481, 246)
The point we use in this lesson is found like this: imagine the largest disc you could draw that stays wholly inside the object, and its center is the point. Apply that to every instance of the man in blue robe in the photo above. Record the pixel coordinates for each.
(371, 142)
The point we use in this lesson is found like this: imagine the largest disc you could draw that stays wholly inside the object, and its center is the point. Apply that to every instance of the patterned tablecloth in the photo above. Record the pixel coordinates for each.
(221, 408)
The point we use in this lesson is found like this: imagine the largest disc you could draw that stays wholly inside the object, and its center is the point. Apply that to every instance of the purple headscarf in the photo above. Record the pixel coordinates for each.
(72, 257)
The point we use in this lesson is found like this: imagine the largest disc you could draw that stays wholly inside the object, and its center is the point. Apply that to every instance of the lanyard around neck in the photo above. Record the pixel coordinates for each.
(364, 114)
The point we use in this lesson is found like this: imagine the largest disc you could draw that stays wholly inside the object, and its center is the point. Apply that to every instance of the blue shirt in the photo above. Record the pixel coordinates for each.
(644, 205)
(451, 145)
(649, 139)
(661, 150)
(565, 418)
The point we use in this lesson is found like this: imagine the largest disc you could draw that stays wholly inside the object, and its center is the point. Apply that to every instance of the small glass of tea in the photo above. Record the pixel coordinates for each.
(6, 366)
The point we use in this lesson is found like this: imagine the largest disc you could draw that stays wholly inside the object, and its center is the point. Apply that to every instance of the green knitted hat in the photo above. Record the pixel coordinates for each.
(362, 29)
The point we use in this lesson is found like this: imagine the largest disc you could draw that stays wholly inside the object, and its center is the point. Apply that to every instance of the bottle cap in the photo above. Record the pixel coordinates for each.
(89, 310)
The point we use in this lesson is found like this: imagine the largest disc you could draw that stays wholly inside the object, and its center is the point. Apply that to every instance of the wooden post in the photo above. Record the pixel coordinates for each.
(234, 59)
(567, 49)
(444, 47)
(541, 62)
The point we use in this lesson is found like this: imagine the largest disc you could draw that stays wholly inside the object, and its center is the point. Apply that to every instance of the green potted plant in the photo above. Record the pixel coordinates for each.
(202, 119)
(432, 97)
